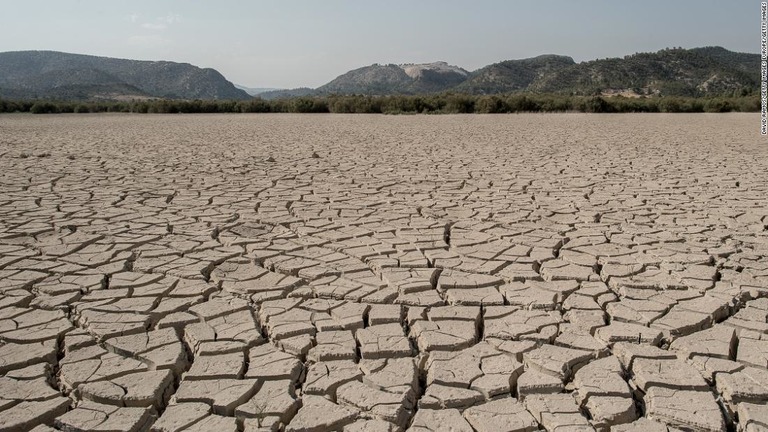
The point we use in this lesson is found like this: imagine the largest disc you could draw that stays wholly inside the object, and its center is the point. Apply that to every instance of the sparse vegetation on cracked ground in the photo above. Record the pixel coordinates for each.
(365, 273)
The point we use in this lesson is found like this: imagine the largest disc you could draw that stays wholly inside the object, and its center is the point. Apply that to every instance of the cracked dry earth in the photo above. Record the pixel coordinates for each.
(377, 273)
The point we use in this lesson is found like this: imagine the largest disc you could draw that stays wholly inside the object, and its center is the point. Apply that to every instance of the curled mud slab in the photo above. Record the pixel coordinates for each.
(379, 273)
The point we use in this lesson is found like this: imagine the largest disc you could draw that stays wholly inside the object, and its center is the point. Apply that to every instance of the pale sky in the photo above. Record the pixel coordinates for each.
(306, 43)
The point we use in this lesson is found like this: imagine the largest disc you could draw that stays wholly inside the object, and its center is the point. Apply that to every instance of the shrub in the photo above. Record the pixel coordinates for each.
(717, 105)
(489, 105)
(597, 105)
(43, 108)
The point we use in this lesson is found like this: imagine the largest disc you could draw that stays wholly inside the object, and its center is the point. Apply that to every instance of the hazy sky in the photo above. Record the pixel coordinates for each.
(293, 43)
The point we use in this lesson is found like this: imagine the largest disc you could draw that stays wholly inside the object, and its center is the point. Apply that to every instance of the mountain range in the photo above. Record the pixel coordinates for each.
(678, 72)
(681, 72)
(255, 91)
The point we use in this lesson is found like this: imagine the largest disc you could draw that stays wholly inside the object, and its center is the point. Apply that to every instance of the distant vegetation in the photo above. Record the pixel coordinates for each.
(444, 103)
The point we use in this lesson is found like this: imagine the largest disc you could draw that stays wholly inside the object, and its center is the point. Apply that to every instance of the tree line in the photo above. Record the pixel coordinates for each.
(448, 103)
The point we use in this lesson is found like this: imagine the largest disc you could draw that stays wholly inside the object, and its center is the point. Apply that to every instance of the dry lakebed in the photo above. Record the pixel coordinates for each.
(559, 272)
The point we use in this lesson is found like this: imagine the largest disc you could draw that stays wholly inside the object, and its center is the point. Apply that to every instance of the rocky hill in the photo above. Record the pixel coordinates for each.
(679, 72)
(397, 79)
(513, 75)
(50, 74)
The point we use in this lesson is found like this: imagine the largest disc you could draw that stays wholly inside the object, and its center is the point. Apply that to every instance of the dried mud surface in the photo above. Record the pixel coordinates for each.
(379, 273)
